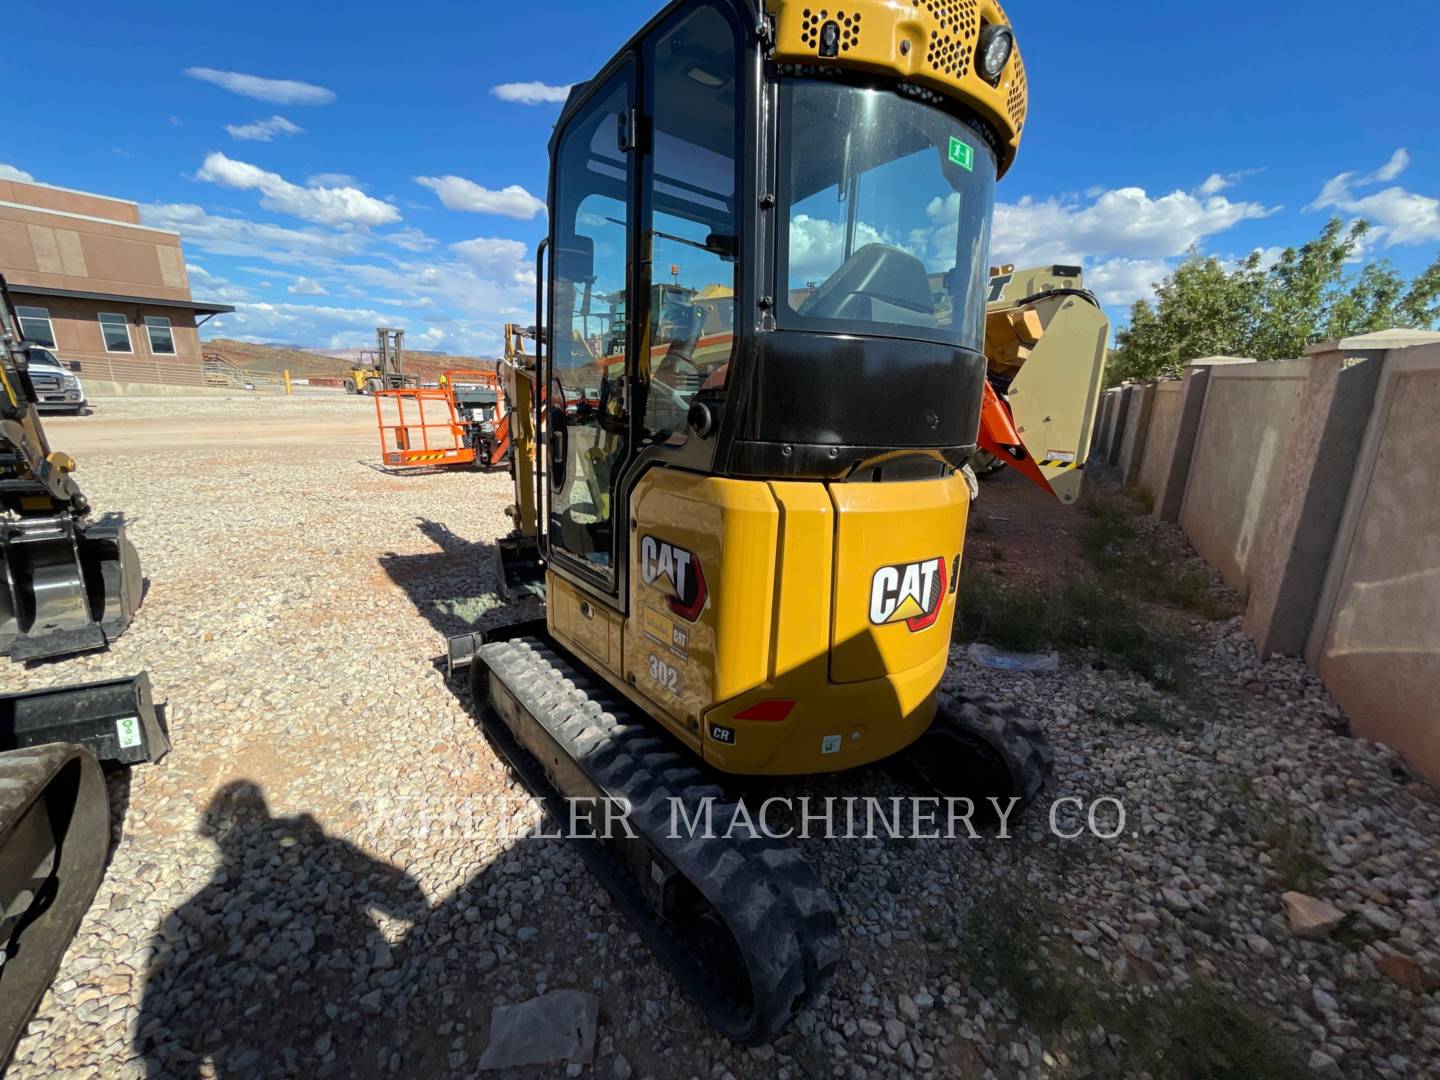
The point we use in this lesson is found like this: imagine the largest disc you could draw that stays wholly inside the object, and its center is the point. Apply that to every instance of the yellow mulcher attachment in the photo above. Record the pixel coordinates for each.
(1045, 344)
(758, 379)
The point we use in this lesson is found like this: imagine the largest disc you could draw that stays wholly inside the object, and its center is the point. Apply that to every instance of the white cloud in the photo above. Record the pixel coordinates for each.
(1398, 216)
(817, 246)
(1123, 281)
(175, 121)
(1218, 182)
(1214, 184)
(409, 239)
(1269, 256)
(304, 286)
(331, 179)
(531, 93)
(338, 327)
(1398, 163)
(276, 91)
(226, 235)
(10, 172)
(499, 260)
(322, 205)
(264, 130)
(457, 193)
(1124, 237)
(1123, 222)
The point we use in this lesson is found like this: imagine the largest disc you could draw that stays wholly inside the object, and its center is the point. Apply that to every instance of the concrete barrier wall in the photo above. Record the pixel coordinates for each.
(1109, 405)
(1132, 439)
(1309, 484)
(1239, 448)
(1376, 637)
(1160, 442)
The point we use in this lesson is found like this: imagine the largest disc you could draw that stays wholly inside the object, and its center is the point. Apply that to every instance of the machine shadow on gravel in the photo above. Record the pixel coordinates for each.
(277, 965)
(455, 588)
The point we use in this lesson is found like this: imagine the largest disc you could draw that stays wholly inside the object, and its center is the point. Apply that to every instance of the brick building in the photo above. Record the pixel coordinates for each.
(97, 288)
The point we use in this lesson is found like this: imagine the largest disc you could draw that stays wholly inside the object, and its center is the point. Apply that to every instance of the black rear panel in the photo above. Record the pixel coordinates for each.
(824, 404)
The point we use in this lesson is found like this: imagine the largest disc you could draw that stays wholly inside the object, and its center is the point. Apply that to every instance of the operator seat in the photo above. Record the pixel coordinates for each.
(878, 283)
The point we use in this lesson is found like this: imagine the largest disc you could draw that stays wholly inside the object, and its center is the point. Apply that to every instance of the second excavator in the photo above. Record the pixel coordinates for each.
(749, 516)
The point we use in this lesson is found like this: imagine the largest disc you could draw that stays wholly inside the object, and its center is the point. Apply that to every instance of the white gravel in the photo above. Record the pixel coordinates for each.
(311, 923)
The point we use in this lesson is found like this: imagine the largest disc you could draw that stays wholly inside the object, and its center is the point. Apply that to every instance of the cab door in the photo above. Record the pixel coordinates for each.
(586, 412)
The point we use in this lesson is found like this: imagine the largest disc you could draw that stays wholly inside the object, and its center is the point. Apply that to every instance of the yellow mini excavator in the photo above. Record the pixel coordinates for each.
(750, 516)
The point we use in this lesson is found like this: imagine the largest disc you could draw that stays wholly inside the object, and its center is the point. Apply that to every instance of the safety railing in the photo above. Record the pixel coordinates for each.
(422, 428)
(221, 372)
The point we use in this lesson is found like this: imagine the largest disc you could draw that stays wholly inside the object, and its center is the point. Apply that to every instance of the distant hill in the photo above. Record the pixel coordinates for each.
(307, 362)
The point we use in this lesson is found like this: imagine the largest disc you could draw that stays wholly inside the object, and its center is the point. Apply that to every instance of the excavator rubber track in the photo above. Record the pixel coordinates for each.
(740, 921)
(54, 835)
(980, 748)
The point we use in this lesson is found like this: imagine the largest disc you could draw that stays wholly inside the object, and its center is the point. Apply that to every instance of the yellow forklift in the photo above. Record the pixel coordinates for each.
(386, 369)
(750, 551)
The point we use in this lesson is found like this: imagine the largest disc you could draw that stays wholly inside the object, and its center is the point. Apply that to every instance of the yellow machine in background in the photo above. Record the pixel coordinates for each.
(743, 483)
(1045, 345)
(387, 371)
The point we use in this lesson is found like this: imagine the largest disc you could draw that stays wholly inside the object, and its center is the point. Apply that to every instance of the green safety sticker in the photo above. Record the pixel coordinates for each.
(962, 154)
(127, 732)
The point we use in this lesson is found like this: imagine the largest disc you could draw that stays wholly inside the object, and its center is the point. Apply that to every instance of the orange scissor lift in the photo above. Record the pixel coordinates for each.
(422, 426)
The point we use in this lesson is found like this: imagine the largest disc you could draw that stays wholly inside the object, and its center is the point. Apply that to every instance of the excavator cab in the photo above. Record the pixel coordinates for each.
(747, 489)
(828, 385)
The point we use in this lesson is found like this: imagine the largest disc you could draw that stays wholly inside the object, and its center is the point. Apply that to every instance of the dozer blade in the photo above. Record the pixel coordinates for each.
(114, 719)
(54, 832)
(64, 589)
(740, 920)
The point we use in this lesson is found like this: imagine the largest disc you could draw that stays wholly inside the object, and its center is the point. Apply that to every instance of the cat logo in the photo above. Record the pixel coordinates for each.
(674, 570)
(908, 592)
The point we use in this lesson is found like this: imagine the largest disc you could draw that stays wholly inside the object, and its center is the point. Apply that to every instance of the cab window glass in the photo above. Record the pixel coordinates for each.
(693, 235)
(888, 204)
(587, 419)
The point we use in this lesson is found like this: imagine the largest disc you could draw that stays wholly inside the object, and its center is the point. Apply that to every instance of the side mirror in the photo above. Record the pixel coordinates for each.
(73, 365)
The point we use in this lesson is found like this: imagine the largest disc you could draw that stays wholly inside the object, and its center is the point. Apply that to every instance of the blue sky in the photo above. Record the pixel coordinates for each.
(370, 170)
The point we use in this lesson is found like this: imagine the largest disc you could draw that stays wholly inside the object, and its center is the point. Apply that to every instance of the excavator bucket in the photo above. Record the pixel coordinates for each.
(65, 588)
(114, 719)
(1045, 342)
(54, 835)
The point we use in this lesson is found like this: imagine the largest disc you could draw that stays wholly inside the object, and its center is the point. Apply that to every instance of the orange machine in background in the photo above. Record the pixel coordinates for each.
(463, 421)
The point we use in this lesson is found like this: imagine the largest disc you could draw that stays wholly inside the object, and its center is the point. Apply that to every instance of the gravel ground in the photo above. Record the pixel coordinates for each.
(321, 878)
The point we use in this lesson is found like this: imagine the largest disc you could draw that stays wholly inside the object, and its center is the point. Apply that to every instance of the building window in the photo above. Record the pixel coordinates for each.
(161, 340)
(35, 326)
(115, 329)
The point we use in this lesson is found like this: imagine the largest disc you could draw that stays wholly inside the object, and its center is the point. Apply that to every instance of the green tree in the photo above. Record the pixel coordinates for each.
(1208, 308)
